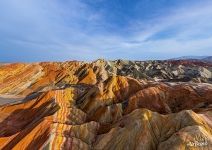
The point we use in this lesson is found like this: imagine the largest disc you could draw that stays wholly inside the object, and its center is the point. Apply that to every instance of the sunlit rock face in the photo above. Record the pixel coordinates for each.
(106, 105)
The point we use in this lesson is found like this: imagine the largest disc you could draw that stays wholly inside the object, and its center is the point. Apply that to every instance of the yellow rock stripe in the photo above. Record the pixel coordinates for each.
(58, 138)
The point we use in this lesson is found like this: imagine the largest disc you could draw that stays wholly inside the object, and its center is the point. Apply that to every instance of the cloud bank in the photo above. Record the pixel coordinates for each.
(53, 30)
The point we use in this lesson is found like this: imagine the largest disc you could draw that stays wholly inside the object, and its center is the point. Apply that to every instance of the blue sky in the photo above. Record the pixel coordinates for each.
(59, 30)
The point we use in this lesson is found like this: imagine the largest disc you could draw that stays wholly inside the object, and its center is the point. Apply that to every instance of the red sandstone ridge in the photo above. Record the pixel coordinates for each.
(106, 105)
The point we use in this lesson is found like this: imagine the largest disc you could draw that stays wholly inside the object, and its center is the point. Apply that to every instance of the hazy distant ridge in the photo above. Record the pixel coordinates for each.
(202, 58)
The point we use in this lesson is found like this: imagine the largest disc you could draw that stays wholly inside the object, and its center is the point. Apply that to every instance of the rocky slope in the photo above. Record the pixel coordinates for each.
(106, 105)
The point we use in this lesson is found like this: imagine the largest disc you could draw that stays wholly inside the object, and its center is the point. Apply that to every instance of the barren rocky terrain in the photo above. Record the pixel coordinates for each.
(111, 105)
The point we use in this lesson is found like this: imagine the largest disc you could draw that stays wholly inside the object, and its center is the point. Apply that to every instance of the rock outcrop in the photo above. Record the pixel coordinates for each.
(106, 105)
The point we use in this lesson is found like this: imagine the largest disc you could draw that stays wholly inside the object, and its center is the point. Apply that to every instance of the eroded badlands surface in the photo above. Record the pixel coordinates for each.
(111, 105)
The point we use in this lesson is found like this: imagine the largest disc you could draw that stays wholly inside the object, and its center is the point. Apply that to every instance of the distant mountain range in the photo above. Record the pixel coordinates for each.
(209, 58)
(202, 58)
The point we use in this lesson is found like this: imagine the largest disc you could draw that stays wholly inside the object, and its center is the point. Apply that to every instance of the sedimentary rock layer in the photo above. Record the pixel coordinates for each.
(106, 105)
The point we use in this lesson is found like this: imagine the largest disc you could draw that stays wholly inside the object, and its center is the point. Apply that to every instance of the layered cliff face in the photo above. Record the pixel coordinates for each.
(106, 105)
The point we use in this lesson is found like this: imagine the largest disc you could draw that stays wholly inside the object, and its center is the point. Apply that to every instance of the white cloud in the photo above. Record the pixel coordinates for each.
(74, 30)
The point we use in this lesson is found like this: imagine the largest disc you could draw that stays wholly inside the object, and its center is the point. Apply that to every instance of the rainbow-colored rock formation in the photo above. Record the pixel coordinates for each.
(111, 105)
